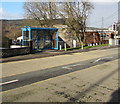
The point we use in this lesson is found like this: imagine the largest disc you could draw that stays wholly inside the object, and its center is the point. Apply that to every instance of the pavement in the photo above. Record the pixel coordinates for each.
(49, 53)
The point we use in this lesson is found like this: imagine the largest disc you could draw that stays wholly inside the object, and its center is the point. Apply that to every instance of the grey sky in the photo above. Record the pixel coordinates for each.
(107, 10)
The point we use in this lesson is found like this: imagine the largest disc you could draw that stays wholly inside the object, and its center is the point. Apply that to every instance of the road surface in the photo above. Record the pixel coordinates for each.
(40, 75)
(22, 80)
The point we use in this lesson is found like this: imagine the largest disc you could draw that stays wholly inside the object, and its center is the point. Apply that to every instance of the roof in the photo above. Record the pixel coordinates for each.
(27, 28)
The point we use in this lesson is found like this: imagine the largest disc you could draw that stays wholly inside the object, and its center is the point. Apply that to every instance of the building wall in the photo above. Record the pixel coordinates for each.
(91, 36)
(118, 27)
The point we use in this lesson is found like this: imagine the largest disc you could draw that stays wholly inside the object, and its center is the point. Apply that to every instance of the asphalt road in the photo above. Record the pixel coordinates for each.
(20, 80)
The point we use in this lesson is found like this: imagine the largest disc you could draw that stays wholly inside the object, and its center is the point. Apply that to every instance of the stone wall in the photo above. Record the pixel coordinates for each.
(5, 42)
(7, 52)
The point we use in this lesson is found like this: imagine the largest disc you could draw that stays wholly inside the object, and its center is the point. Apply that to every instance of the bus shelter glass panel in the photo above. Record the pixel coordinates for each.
(42, 38)
(48, 40)
(26, 38)
(34, 39)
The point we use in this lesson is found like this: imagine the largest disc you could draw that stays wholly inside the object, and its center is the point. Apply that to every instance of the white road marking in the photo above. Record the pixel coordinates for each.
(76, 64)
(8, 82)
(68, 67)
(108, 57)
(97, 60)
(101, 59)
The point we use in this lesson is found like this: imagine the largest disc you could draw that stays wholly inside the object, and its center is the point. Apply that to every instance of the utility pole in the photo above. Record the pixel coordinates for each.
(119, 11)
(102, 23)
(102, 26)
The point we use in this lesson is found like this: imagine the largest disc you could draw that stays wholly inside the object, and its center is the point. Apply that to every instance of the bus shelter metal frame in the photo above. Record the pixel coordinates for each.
(30, 29)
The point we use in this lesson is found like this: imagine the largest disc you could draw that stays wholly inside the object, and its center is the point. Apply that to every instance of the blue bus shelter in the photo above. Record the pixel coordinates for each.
(42, 38)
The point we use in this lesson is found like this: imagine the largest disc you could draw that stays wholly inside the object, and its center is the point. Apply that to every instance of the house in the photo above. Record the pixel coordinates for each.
(118, 27)
(55, 38)
(115, 34)
(93, 36)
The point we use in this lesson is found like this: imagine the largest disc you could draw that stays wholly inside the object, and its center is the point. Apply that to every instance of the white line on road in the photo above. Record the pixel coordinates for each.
(97, 60)
(108, 57)
(76, 64)
(102, 59)
(68, 67)
(8, 82)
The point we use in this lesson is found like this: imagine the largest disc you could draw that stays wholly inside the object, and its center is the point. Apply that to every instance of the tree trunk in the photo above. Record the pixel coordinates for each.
(80, 42)
(82, 45)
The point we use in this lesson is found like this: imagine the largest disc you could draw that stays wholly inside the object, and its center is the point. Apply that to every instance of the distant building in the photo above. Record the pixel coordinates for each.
(118, 27)
(113, 27)
(114, 37)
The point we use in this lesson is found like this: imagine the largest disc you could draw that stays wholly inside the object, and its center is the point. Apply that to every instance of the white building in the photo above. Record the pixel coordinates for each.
(114, 30)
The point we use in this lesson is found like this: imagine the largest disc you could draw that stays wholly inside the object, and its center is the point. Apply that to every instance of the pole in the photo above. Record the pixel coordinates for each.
(65, 46)
(31, 46)
(60, 47)
(102, 28)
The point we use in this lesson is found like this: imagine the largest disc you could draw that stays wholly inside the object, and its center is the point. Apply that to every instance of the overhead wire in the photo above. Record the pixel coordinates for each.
(106, 18)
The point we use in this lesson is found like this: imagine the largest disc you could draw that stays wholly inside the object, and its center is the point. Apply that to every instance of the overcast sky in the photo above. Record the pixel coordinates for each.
(106, 10)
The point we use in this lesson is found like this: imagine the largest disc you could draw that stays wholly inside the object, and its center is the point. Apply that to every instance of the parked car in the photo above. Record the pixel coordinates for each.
(16, 42)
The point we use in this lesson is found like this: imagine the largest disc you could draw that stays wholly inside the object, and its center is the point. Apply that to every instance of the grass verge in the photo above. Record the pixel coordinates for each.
(76, 48)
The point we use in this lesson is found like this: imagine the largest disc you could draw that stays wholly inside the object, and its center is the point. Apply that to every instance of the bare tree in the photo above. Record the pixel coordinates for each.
(43, 13)
(75, 14)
